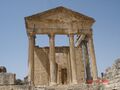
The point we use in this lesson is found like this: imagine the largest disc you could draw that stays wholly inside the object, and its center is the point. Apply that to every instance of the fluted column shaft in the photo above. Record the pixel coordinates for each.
(93, 58)
(31, 59)
(72, 58)
(53, 72)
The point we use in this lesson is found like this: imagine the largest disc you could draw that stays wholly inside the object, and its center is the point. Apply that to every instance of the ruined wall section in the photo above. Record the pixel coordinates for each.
(63, 62)
(79, 66)
(62, 56)
(7, 78)
(41, 66)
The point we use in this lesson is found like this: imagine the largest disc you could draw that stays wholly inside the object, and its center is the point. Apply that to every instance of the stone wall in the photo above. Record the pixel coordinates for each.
(80, 66)
(41, 65)
(7, 79)
(63, 65)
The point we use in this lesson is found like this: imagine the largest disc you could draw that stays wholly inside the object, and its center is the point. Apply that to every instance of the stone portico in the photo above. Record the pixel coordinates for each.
(53, 65)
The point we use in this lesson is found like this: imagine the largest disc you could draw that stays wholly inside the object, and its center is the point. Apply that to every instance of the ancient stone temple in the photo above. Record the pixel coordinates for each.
(73, 64)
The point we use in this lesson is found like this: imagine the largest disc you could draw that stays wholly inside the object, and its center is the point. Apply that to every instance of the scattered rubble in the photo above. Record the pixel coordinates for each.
(112, 74)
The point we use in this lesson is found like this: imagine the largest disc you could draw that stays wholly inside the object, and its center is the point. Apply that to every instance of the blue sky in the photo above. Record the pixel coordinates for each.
(14, 42)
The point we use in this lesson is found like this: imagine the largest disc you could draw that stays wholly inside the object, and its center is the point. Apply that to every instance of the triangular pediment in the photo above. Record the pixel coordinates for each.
(59, 20)
(60, 14)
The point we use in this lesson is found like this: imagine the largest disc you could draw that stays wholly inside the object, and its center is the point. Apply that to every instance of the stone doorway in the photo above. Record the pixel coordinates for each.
(64, 76)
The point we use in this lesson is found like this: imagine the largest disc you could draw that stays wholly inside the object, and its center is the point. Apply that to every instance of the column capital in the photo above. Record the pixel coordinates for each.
(31, 34)
(51, 35)
(90, 35)
(70, 35)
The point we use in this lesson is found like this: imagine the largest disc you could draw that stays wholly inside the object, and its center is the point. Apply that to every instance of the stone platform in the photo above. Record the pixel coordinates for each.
(61, 87)
(72, 87)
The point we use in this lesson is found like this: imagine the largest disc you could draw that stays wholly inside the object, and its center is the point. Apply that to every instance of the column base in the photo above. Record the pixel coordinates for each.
(74, 82)
(53, 83)
(95, 78)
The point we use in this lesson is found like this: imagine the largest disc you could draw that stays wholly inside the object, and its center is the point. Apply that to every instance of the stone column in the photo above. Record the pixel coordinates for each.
(31, 59)
(53, 71)
(93, 58)
(86, 60)
(72, 58)
(59, 75)
(69, 69)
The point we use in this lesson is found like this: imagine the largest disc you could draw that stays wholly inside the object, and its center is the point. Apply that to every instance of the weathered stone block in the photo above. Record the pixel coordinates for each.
(7, 79)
